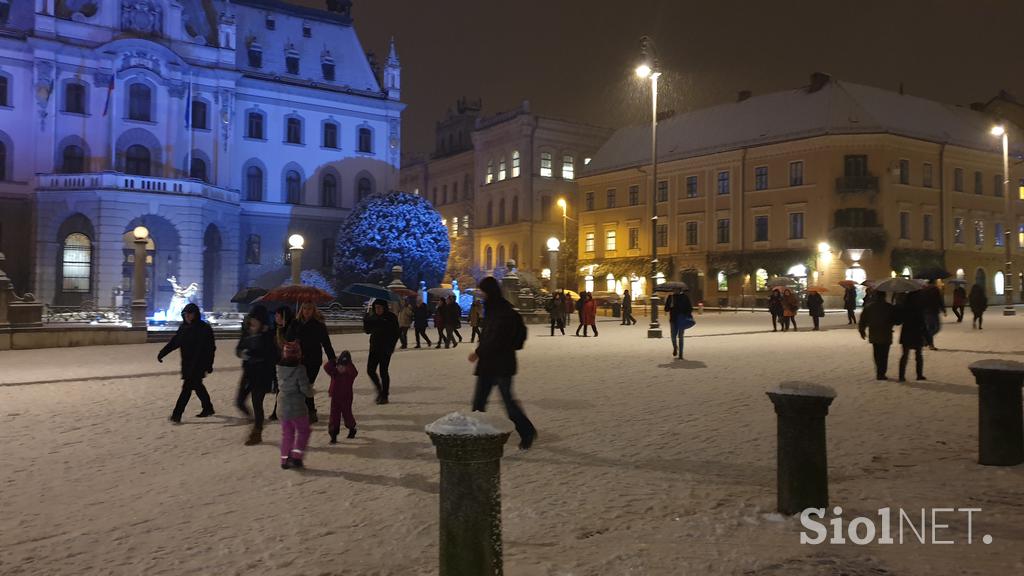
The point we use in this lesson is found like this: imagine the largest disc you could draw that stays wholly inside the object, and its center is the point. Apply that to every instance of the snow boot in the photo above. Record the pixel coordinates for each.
(286, 463)
(295, 462)
(334, 436)
(255, 436)
(351, 433)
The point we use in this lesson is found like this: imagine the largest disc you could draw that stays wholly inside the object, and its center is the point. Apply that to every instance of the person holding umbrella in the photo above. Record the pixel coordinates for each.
(876, 323)
(815, 307)
(679, 310)
(382, 326)
(979, 302)
(913, 334)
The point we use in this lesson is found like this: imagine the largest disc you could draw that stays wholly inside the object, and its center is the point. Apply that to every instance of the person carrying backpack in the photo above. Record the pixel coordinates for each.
(495, 358)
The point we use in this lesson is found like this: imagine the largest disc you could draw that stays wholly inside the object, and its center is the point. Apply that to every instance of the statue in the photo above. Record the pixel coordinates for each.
(182, 296)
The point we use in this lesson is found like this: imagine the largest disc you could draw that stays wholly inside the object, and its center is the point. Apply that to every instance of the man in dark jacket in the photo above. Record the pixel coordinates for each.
(382, 326)
(627, 309)
(495, 359)
(850, 304)
(678, 307)
(878, 319)
(420, 321)
(932, 303)
(195, 339)
(912, 336)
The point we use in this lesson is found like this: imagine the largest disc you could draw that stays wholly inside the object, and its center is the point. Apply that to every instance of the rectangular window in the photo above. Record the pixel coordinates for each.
(926, 175)
(663, 191)
(662, 235)
(958, 230)
(723, 182)
(501, 168)
(291, 64)
(293, 131)
(760, 228)
(904, 171)
(691, 186)
(3, 91)
(330, 135)
(761, 178)
(307, 32)
(609, 240)
(74, 98)
(796, 173)
(199, 115)
(796, 225)
(958, 179)
(271, 24)
(254, 126)
(545, 165)
(926, 228)
(588, 242)
(904, 225)
(634, 238)
(634, 195)
(855, 165)
(489, 177)
(979, 187)
(328, 70)
(515, 164)
(997, 234)
(568, 168)
(979, 232)
(609, 201)
(588, 201)
(691, 233)
(723, 231)
(997, 185)
(255, 57)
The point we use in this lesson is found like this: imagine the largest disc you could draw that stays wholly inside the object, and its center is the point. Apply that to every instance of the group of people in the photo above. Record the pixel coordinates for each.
(447, 317)
(783, 304)
(561, 306)
(977, 300)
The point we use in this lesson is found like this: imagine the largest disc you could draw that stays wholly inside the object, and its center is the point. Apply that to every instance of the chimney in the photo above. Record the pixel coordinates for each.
(743, 95)
(818, 81)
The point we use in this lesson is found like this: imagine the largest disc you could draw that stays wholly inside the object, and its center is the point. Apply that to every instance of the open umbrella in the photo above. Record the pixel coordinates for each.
(440, 292)
(571, 293)
(847, 283)
(781, 281)
(671, 287)
(402, 291)
(370, 291)
(816, 289)
(957, 281)
(869, 283)
(934, 273)
(248, 295)
(897, 285)
(297, 293)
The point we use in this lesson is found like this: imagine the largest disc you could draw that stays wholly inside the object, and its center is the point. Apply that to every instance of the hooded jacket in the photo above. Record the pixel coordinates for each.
(195, 340)
(383, 329)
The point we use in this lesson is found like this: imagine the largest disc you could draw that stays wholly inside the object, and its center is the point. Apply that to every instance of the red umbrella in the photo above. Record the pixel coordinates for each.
(299, 293)
(847, 283)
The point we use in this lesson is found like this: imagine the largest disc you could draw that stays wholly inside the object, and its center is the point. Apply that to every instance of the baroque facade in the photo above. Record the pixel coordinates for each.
(828, 182)
(223, 127)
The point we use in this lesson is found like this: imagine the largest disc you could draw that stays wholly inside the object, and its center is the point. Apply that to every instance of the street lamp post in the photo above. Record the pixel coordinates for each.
(1008, 309)
(553, 245)
(141, 235)
(295, 242)
(565, 233)
(648, 69)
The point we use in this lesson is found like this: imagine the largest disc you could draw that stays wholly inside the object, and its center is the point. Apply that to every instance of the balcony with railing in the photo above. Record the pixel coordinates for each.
(134, 183)
(857, 184)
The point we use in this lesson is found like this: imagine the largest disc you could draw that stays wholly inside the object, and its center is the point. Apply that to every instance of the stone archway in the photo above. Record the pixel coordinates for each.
(163, 260)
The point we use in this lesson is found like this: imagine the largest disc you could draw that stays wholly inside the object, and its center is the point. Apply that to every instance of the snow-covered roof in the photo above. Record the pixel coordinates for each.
(837, 108)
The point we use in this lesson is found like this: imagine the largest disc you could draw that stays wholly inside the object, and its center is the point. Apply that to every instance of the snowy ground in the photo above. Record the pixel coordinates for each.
(644, 465)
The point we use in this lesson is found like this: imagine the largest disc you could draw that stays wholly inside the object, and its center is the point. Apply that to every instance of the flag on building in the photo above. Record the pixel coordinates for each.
(110, 95)
(188, 104)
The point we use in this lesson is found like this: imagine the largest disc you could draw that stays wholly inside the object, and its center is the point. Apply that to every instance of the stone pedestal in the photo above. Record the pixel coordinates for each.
(1000, 417)
(802, 461)
(470, 449)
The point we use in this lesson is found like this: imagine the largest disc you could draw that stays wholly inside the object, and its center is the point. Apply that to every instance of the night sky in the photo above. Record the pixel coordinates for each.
(574, 58)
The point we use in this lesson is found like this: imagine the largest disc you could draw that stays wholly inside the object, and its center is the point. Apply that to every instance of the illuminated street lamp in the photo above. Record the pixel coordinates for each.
(1008, 310)
(648, 69)
(565, 216)
(141, 239)
(295, 242)
(553, 245)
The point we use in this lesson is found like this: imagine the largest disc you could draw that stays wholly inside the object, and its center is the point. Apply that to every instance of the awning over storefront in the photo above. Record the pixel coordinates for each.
(619, 267)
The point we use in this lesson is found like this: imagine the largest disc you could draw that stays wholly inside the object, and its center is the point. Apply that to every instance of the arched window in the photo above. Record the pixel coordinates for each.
(74, 98)
(140, 100)
(364, 187)
(293, 131)
(329, 191)
(515, 209)
(501, 255)
(137, 160)
(588, 283)
(723, 282)
(254, 184)
(76, 260)
(610, 282)
(197, 169)
(73, 160)
(488, 258)
(501, 212)
(515, 163)
(365, 140)
(490, 214)
(760, 279)
(293, 187)
(199, 115)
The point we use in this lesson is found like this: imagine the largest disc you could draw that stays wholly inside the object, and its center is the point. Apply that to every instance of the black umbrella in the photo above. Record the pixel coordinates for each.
(934, 273)
(247, 295)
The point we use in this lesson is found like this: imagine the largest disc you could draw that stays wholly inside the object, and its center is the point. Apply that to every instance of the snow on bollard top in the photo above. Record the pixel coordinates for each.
(473, 424)
(794, 388)
(994, 364)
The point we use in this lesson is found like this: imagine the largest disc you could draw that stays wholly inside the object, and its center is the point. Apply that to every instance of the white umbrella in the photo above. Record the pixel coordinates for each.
(897, 285)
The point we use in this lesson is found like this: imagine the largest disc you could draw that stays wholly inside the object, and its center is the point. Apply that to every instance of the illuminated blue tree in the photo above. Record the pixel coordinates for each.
(392, 229)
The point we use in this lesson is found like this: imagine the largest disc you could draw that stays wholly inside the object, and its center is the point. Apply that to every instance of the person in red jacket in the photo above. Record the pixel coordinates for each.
(343, 373)
(590, 314)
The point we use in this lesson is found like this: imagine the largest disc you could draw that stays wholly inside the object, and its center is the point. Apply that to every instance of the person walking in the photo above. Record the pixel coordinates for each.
(932, 303)
(627, 309)
(959, 302)
(421, 319)
(311, 332)
(790, 306)
(439, 320)
(382, 326)
(405, 317)
(876, 323)
(195, 340)
(775, 309)
(294, 389)
(579, 312)
(452, 320)
(590, 314)
(556, 309)
(979, 302)
(816, 309)
(495, 358)
(343, 373)
(475, 310)
(283, 319)
(850, 304)
(570, 307)
(258, 352)
(679, 310)
(913, 334)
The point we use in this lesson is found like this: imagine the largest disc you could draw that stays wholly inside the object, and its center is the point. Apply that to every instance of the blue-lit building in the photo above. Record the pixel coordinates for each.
(223, 127)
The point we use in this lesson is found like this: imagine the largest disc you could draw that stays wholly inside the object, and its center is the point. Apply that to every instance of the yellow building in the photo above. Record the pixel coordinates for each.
(828, 182)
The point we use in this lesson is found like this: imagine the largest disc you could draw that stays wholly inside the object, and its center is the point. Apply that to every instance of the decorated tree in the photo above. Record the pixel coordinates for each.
(392, 229)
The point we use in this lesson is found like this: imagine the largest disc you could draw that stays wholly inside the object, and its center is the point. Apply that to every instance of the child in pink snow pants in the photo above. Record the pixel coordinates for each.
(342, 374)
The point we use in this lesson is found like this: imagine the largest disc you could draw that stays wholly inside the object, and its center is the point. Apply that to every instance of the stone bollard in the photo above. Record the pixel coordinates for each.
(470, 449)
(802, 455)
(1000, 423)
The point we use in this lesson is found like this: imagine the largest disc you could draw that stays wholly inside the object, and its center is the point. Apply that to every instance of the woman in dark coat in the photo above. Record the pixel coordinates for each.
(627, 309)
(258, 352)
(311, 332)
(420, 321)
(850, 303)
(912, 335)
(979, 302)
(816, 308)
(453, 320)
(440, 316)
(775, 309)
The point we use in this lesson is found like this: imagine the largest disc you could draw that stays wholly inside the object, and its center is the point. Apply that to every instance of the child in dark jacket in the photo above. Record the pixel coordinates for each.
(343, 374)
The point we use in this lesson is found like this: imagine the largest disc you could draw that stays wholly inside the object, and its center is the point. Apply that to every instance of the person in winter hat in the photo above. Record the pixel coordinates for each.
(195, 340)
(343, 373)
(382, 326)
(294, 389)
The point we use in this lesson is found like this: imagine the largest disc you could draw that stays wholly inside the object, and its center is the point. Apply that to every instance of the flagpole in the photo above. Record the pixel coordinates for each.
(188, 125)
(113, 104)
